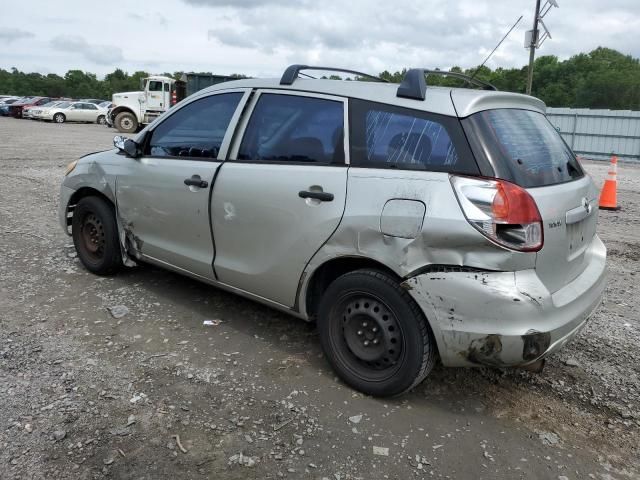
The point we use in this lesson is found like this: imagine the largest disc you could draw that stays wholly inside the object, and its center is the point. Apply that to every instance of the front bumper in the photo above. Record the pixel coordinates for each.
(63, 207)
(506, 319)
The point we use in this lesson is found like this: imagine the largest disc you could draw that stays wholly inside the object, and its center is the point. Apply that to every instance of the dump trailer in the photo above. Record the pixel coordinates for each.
(133, 110)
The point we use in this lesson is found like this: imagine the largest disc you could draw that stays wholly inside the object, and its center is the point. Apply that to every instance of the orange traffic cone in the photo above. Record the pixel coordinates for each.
(609, 194)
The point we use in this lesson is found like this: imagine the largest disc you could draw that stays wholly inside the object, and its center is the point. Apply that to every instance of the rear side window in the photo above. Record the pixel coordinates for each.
(522, 147)
(196, 130)
(384, 136)
(291, 128)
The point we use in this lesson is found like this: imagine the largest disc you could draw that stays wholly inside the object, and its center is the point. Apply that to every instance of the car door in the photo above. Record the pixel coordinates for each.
(74, 113)
(282, 193)
(90, 112)
(163, 196)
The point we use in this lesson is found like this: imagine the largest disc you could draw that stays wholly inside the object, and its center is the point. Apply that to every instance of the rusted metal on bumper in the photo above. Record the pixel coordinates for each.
(506, 318)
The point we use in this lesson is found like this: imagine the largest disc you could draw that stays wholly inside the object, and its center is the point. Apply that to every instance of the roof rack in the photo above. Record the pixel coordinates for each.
(292, 71)
(414, 84)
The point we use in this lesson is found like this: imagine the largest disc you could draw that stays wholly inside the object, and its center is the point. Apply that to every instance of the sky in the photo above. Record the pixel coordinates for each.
(260, 38)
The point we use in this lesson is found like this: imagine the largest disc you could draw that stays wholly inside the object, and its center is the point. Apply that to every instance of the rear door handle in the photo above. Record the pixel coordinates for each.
(322, 196)
(196, 181)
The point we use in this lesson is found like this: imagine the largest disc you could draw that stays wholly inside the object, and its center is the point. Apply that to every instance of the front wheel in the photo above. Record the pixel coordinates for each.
(374, 334)
(101, 120)
(95, 236)
(59, 118)
(125, 122)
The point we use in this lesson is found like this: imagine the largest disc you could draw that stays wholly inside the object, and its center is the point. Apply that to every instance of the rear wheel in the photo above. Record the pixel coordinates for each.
(95, 236)
(59, 118)
(374, 334)
(126, 123)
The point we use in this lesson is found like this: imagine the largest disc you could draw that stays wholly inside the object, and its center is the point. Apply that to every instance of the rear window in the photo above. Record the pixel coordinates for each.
(522, 147)
(385, 136)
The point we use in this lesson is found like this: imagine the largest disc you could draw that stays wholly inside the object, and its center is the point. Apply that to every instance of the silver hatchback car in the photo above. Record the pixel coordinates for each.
(408, 221)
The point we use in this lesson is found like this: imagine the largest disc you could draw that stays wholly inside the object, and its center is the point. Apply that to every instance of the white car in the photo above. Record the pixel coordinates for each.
(36, 112)
(76, 112)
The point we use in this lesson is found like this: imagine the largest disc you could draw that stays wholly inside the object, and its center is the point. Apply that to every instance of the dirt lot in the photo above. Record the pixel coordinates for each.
(85, 395)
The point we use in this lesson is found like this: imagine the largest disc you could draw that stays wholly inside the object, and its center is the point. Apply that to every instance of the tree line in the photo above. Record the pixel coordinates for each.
(602, 78)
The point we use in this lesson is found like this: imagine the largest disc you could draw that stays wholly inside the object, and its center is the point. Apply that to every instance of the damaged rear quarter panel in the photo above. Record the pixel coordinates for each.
(446, 238)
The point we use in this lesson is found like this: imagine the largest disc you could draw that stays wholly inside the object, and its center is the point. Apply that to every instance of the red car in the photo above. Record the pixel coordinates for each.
(15, 109)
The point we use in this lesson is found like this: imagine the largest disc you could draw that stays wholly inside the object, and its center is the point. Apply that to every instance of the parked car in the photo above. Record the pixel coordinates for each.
(407, 220)
(95, 101)
(5, 104)
(38, 113)
(76, 112)
(15, 109)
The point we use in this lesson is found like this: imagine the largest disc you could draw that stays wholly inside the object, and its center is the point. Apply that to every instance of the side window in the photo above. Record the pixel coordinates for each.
(167, 87)
(292, 128)
(196, 130)
(90, 106)
(385, 136)
(155, 86)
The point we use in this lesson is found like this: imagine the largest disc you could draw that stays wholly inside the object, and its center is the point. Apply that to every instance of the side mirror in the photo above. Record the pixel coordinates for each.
(127, 146)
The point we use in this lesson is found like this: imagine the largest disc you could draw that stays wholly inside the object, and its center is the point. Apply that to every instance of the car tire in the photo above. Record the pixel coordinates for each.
(59, 118)
(101, 120)
(126, 122)
(95, 236)
(374, 334)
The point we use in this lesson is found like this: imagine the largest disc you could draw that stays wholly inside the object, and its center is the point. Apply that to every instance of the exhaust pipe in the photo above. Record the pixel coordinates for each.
(535, 367)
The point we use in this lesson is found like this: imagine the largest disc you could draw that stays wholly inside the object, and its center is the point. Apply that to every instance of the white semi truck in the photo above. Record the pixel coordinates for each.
(131, 110)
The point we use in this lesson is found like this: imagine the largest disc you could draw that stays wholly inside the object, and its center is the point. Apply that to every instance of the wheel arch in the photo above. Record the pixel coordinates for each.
(81, 193)
(117, 110)
(322, 276)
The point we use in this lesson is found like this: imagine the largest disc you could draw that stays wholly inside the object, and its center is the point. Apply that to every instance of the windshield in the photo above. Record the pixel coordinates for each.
(63, 104)
(49, 104)
(522, 147)
(104, 104)
(11, 100)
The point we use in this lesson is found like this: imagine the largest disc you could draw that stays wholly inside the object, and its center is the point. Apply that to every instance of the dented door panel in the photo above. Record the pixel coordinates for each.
(164, 219)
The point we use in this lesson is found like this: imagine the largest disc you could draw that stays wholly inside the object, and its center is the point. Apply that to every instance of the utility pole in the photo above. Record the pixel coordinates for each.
(533, 39)
(533, 46)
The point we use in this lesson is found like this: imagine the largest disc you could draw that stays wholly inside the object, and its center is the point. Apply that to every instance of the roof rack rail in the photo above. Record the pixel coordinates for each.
(292, 71)
(414, 83)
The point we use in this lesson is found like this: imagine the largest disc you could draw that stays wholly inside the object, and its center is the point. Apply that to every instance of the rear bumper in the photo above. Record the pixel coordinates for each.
(506, 318)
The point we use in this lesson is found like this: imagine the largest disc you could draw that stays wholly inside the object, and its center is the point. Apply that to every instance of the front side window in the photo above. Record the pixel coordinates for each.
(196, 130)
(522, 147)
(385, 136)
(155, 86)
(291, 128)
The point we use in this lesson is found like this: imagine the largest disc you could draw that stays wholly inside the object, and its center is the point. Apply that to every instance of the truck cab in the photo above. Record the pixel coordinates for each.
(132, 109)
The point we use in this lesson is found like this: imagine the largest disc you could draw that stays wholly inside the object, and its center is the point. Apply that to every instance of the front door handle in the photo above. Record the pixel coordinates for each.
(322, 196)
(196, 181)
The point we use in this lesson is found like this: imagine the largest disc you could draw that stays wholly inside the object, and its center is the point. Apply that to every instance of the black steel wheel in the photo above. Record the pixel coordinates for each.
(374, 334)
(95, 236)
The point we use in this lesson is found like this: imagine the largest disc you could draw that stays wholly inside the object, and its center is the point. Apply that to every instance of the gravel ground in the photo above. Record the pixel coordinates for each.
(157, 394)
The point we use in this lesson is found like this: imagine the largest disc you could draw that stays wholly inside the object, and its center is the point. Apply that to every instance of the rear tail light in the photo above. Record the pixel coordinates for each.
(505, 213)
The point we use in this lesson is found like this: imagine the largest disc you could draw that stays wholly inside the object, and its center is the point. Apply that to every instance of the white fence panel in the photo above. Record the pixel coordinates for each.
(598, 134)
